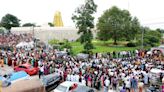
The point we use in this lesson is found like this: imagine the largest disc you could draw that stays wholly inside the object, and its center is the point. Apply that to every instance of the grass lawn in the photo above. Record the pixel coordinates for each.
(101, 46)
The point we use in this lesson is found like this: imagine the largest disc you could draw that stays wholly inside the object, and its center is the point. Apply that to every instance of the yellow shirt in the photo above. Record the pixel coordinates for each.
(1, 62)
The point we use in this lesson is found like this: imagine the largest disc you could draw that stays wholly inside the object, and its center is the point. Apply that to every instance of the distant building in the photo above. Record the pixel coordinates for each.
(47, 33)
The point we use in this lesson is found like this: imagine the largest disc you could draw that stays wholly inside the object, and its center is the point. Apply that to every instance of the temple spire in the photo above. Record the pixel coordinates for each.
(58, 20)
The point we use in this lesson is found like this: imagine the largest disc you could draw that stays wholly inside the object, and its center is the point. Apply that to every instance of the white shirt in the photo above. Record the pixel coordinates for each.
(83, 82)
(122, 75)
(72, 78)
(77, 78)
(39, 63)
(107, 82)
(140, 84)
(69, 77)
(127, 81)
(42, 69)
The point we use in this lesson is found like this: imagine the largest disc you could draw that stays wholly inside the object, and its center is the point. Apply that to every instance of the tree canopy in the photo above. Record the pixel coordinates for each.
(50, 24)
(2, 30)
(117, 24)
(85, 22)
(28, 25)
(9, 21)
(151, 37)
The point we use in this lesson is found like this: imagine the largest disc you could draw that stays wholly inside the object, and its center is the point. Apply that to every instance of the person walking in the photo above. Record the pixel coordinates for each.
(41, 71)
(123, 89)
(89, 81)
(140, 86)
(115, 83)
(2, 62)
(134, 84)
(127, 84)
(106, 84)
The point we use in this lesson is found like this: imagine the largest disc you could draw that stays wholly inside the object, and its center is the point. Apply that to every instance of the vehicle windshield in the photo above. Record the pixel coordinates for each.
(62, 88)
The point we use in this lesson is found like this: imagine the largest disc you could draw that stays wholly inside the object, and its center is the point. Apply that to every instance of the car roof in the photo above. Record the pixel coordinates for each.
(82, 88)
(27, 65)
(18, 75)
(69, 83)
(155, 70)
(51, 75)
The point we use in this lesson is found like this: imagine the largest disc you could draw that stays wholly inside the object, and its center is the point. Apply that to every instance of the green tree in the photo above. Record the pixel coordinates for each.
(132, 30)
(53, 42)
(28, 25)
(9, 21)
(160, 30)
(66, 45)
(117, 24)
(151, 38)
(2, 30)
(51, 24)
(85, 22)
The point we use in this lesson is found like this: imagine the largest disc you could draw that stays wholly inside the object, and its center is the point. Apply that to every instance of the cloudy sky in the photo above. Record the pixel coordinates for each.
(149, 12)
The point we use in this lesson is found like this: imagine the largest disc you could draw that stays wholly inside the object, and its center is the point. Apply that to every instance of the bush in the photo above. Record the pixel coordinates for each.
(131, 44)
(53, 42)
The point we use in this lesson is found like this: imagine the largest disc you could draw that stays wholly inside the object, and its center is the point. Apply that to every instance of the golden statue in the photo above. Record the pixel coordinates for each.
(58, 20)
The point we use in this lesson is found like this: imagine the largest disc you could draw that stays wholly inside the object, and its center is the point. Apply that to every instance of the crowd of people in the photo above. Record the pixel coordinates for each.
(125, 71)
(13, 39)
(129, 72)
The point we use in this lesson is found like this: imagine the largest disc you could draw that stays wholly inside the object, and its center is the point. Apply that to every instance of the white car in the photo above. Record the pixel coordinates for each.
(155, 74)
(66, 86)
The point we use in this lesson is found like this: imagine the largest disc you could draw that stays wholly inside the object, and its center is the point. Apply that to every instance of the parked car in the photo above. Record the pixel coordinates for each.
(67, 86)
(153, 88)
(29, 69)
(24, 84)
(82, 56)
(60, 54)
(82, 88)
(11, 78)
(4, 82)
(155, 75)
(50, 79)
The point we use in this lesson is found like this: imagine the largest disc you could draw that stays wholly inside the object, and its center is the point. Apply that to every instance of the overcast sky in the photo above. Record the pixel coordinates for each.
(149, 12)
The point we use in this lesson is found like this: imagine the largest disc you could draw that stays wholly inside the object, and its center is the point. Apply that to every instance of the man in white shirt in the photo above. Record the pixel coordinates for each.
(68, 77)
(106, 86)
(41, 71)
(83, 81)
(77, 77)
(146, 78)
(127, 83)
(72, 77)
(40, 63)
(122, 75)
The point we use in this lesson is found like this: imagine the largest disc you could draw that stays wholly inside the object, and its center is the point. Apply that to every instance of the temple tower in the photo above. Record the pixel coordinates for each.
(58, 20)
